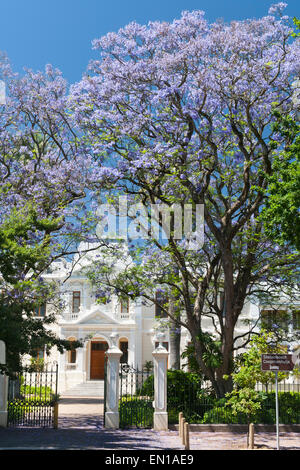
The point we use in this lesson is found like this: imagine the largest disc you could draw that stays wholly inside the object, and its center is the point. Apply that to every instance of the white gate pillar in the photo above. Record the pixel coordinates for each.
(160, 356)
(3, 388)
(112, 385)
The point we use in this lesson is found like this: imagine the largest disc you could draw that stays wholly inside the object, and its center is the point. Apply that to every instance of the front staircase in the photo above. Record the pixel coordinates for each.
(91, 388)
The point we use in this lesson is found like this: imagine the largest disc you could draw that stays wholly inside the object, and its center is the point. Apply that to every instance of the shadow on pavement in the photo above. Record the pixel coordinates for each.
(84, 438)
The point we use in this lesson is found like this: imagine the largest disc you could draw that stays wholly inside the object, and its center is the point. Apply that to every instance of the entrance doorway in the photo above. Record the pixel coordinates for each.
(98, 349)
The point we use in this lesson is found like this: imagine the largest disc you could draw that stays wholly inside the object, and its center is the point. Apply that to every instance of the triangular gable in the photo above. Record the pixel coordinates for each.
(97, 317)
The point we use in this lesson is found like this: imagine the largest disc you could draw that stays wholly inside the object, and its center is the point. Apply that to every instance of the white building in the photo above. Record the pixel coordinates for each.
(134, 323)
(85, 319)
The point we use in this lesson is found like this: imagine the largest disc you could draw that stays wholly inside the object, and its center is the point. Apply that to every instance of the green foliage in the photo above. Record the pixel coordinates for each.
(135, 411)
(148, 366)
(36, 365)
(212, 356)
(289, 407)
(245, 401)
(34, 393)
(296, 33)
(24, 255)
(177, 383)
(20, 410)
(248, 365)
(190, 355)
(261, 409)
(199, 405)
(20, 250)
(281, 215)
(222, 415)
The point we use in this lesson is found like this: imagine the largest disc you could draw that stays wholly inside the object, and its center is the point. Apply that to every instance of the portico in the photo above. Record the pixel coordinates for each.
(94, 329)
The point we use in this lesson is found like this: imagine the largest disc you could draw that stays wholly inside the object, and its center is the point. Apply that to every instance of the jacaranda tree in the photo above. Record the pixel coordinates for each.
(45, 172)
(181, 112)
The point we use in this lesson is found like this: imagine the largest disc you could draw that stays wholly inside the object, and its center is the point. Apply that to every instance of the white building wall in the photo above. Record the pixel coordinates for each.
(96, 321)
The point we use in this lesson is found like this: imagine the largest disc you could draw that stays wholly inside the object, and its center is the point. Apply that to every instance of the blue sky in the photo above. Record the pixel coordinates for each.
(36, 32)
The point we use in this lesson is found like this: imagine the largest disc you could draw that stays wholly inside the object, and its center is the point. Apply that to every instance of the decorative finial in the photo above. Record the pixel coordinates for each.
(160, 338)
(114, 338)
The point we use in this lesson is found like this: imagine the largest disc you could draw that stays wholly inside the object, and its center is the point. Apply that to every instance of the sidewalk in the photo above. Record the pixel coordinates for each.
(80, 426)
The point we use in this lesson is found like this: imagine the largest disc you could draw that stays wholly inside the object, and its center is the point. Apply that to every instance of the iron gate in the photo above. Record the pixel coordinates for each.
(136, 397)
(32, 395)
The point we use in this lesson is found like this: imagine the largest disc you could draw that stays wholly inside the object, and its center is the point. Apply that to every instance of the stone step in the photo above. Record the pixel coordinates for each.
(86, 389)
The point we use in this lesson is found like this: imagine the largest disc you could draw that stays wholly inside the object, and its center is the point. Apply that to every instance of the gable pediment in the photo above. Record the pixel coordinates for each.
(97, 317)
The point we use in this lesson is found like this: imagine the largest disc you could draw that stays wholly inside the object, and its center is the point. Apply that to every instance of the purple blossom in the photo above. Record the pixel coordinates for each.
(277, 8)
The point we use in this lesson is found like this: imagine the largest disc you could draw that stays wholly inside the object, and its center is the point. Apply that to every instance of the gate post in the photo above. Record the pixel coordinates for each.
(112, 383)
(160, 356)
(3, 388)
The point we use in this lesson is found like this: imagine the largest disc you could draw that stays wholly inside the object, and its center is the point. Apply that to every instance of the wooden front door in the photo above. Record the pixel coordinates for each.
(98, 349)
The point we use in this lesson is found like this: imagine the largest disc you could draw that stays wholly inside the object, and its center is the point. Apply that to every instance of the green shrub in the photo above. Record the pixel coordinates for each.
(289, 408)
(206, 409)
(184, 393)
(222, 415)
(19, 410)
(35, 391)
(245, 402)
(134, 411)
(289, 411)
(177, 383)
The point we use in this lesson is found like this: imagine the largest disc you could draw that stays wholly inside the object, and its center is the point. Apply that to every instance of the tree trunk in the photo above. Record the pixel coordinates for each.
(220, 385)
(225, 385)
(175, 338)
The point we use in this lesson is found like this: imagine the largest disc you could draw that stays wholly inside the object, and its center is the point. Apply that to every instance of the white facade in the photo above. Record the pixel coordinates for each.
(93, 323)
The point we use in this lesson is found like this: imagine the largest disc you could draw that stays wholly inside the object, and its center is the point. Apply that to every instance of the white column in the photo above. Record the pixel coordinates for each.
(138, 336)
(160, 356)
(3, 388)
(79, 356)
(85, 362)
(112, 383)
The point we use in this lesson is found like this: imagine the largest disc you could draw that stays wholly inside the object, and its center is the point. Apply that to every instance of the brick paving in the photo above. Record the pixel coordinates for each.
(80, 426)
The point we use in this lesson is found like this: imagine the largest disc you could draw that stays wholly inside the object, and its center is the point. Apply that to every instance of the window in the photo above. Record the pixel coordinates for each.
(124, 305)
(123, 345)
(272, 319)
(162, 301)
(37, 354)
(40, 310)
(76, 302)
(72, 355)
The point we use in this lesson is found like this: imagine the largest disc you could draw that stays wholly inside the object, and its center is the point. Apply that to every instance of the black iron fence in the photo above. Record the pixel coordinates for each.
(186, 393)
(136, 397)
(199, 405)
(32, 395)
(212, 411)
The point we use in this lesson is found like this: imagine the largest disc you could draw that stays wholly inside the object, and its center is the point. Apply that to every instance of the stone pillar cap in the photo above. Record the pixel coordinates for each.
(160, 350)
